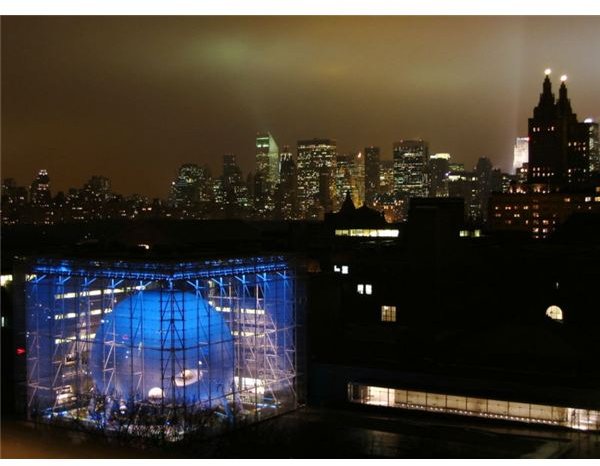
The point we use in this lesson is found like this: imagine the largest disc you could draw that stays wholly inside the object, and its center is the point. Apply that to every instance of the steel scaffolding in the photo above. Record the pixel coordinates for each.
(162, 346)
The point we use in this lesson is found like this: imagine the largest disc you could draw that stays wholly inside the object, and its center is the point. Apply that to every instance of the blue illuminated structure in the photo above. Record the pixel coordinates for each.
(169, 346)
(111, 339)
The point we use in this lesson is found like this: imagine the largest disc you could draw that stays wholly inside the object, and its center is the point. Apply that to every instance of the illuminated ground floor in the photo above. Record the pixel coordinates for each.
(569, 417)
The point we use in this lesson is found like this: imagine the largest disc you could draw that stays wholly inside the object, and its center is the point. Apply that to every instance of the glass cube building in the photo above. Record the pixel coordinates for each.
(162, 345)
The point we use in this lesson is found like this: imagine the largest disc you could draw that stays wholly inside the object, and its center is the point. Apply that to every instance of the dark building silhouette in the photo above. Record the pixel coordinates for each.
(559, 184)
(372, 174)
(439, 169)
(286, 200)
(559, 145)
(40, 189)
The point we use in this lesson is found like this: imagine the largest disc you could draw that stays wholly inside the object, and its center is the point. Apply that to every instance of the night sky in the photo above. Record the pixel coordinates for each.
(132, 98)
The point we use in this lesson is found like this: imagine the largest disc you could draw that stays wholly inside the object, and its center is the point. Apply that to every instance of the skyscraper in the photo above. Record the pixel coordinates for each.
(520, 153)
(386, 177)
(358, 178)
(410, 168)
(191, 186)
(558, 143)
(98, 189)
(344, 181)
(316, 176)
(486, 182)
(561, 154)
(286, 199)
(234, 192)
(267, 158)
(372, 174)
(267, 172)
(594, 144)
(439, 168)
(40, 189)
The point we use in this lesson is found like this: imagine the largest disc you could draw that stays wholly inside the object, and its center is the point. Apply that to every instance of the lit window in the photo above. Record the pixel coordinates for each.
(555, 313)
(345, 270)
(5, 280)
(362, 288)
(388, 313)
(336, 268)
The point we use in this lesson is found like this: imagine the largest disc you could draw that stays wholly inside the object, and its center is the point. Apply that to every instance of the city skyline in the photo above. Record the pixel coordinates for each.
(79, 108)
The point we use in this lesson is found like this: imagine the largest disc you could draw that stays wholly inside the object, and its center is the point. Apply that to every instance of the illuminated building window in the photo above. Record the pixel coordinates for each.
(555, 313)
(362, 288)
(523, 411)
(369, 233)
(5, 280)
(343, 269)
(388, 313)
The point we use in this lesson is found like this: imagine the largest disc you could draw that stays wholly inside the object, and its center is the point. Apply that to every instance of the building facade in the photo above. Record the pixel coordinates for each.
(559, 145)
(410, 168)
(372, 174)
(316, 163)
(267, 172)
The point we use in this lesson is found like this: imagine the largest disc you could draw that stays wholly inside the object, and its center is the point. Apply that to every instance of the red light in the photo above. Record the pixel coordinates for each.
(20, 351)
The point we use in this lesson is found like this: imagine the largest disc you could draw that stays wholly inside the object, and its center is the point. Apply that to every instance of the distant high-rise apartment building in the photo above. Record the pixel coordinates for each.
(349, 178)
(439, 168)
(559, 145)
(98, 189)
(594, 145)
(372, 174)
(316, 163)
(386, 177)
(520, 153)
(410, 168)
(234, 192)
(14, 200)
(561, 159)
(358, 178)
(344, 181)
(40, 189)
(487, 182)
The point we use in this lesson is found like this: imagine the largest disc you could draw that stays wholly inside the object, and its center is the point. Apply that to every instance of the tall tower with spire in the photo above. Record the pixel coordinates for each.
(558, 143)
